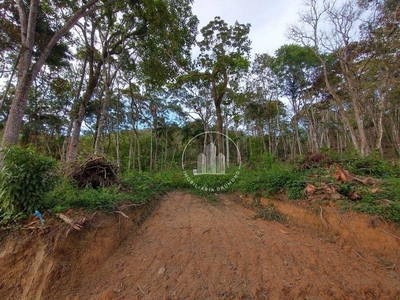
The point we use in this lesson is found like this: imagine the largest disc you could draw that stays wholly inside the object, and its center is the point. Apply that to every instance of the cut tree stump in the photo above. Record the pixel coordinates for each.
(343, 175)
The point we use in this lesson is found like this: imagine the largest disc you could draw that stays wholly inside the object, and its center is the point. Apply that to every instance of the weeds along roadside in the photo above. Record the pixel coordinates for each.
(45, 189)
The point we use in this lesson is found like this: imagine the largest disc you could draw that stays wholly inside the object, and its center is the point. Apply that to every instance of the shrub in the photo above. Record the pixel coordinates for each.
(67, 195)
(25, 179)
(62, 196)
(278, 178)
(9, 216)
(100, 198)
(267, 161)
(143, 185)
(371, 165)
(296, 188)
(269, 214)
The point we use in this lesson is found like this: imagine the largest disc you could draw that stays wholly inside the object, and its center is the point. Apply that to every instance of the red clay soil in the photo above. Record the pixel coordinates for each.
(191, 249)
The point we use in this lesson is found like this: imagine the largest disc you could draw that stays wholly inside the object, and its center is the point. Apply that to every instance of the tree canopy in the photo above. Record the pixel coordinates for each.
(122, 78)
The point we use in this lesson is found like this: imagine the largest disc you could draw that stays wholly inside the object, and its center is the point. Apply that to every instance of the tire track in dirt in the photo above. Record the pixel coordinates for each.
(191, 249)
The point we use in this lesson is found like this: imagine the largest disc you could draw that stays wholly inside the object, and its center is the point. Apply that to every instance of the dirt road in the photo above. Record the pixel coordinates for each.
(191, 249)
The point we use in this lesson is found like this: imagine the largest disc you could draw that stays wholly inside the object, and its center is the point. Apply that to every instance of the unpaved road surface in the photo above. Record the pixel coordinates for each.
(191, 249)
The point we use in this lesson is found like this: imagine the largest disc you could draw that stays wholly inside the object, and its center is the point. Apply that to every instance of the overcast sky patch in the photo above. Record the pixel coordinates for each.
(269, 19)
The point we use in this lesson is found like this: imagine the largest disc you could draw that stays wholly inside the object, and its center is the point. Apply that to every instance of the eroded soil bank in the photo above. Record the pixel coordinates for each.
(191, 249)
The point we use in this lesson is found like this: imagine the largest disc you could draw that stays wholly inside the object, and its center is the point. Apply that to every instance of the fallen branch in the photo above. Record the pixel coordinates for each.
(395, 236)
(31, 226)
(322, 218)
(370, 261)
(143, 292)
(70, 222)
(121, 213)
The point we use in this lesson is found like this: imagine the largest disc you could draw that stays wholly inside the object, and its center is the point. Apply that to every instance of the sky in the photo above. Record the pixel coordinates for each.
(269, 19)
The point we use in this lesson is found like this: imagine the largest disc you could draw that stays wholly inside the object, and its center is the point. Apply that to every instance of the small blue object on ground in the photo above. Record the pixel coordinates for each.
(39, 215)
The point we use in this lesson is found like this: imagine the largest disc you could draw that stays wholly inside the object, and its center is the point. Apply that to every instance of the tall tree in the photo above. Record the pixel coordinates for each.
(224, 55)
(381, 82)
(158, 31)
(333, 27)
(263, 92)
(29, 65)
(296, 68)
(195, 101)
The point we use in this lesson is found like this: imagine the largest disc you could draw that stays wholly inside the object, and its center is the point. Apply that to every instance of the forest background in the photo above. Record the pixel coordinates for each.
(121, 80)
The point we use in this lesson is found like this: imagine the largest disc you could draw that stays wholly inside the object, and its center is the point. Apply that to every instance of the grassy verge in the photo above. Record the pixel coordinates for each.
(268, 179)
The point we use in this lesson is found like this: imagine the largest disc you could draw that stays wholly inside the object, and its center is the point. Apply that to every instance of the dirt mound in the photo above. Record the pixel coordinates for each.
(191, 249)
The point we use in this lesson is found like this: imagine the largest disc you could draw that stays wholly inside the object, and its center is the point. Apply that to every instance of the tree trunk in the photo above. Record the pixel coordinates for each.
(394, 125)
(269, 136)
(73, 113)
(364, 148)
(28, 72)
(25, 76)
(73, 144)
(219, 127)
(313, 138)
(139, 151)
(130, 152)
(165, 150)
(238, 143)
(296, 138)
(154, 132)
(260, 134)
(339, 103)
(14, 68)
(117, 146)
(109, 78)
(227, 146)
(356, 97)
(218, 94)
(379, 128)
(14, 120)
(134, 112)
(102, 118)
(94, 75)
(151, 150)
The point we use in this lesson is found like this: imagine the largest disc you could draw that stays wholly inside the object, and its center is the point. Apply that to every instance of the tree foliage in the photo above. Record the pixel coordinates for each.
(224, 55)
(25, 179)
(121, 80)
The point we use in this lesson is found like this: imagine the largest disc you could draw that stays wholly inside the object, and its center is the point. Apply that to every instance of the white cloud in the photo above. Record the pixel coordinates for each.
(269, 19)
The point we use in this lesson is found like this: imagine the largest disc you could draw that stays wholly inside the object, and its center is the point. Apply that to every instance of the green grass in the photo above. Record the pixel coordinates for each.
(267, 180)
(270, 179)
(67, 195)
(279, 178)
(385, 203)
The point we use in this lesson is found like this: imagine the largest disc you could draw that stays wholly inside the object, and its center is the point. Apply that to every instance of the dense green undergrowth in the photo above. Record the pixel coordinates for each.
(29, 182)
(25, 178)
